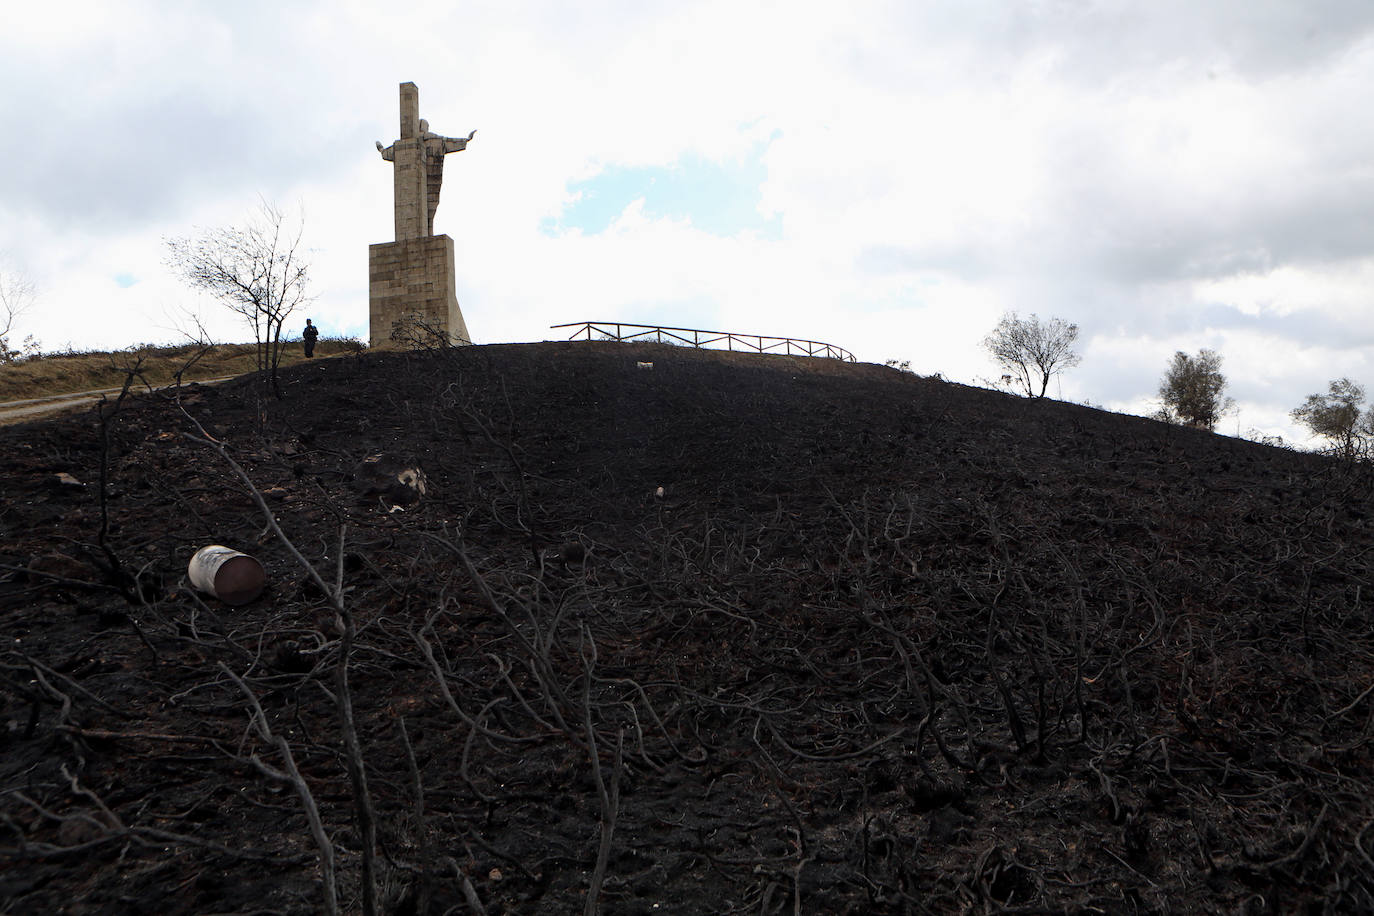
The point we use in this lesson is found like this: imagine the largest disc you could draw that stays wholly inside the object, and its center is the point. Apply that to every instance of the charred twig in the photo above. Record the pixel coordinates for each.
(474, 902)
(149, 836)
(421, 830)
(353, 751)
(556, 697)
(292, 775)
(41, 672)
(609, 798)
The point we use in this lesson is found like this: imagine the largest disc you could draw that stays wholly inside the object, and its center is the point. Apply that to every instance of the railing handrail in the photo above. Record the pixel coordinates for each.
(805, 347)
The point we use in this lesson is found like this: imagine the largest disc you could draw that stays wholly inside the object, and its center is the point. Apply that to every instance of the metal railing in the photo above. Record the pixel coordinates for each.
(749, 343)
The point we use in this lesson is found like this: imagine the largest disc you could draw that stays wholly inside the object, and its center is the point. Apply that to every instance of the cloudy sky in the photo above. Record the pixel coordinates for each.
(887, 176)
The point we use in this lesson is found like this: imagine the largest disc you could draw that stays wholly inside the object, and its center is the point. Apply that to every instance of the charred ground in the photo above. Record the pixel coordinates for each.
(886, 645)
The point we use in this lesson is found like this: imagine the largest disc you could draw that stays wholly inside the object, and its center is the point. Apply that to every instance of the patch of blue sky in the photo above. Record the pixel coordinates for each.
(720, 198)
(124, 281)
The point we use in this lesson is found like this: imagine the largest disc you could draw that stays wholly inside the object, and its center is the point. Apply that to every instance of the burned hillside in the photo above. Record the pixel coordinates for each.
(883, 644)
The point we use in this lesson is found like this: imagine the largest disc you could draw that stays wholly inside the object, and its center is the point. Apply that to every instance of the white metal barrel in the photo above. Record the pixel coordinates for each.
(232, 577)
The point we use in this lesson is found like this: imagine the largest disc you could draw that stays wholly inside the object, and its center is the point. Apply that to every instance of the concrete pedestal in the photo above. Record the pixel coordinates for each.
(411, 297)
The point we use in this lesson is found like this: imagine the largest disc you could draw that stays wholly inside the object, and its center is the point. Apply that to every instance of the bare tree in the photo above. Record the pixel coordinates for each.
(1338, 416)
(1192, 390)
(1032, 350)
(16, 297)
(257, 270)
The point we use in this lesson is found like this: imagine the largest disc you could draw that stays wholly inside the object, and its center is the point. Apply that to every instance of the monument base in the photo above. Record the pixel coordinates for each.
(411, 297)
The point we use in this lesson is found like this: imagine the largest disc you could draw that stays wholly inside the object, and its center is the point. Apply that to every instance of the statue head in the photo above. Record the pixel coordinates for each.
(424, 126)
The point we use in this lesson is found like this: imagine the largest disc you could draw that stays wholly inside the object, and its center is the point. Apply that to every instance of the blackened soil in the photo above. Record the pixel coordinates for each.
(884, 645)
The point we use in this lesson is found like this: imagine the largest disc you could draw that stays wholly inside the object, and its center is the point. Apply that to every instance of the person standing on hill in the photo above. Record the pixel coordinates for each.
(308, 337)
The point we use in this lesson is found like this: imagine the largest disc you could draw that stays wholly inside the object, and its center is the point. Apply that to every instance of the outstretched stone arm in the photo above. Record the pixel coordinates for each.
(388, 152)
(457, 144)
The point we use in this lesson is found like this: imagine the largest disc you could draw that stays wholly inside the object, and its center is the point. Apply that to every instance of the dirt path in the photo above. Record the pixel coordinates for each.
(32, 408)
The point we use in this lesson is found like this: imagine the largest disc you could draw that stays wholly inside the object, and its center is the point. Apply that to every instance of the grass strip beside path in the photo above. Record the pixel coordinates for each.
(70, 373)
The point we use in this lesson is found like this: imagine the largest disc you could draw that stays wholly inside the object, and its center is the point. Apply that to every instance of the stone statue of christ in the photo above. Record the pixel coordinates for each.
(433, 148)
